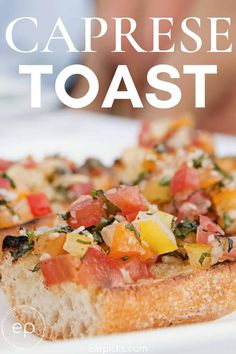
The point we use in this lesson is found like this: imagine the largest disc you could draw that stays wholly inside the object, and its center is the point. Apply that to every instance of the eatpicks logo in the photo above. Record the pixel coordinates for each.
(18, 335)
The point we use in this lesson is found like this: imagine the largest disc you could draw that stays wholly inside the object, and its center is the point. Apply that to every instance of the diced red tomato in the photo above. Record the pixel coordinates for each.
(4, 165)
(137, 269)
(60, 269)
(86, 211)
(99, 270)
(229, 256)
(30, 163)
(81, 188)
(185, 179)
(39, 204)
(96, 171)
(144, 136)
(207, 228)
(128, 199)
(196, 204)
(4, 183)
(201, 201)
(132, 216)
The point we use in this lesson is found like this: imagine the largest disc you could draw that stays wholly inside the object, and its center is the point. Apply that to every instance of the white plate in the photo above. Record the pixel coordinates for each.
(79, 135)
(76, 135)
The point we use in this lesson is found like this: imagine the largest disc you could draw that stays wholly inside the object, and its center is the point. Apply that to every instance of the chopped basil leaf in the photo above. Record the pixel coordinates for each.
(110, 208)
(5, 176)
(132, 228)
(222, 171)
(217, 186)
(62, 191)
(141, 177)
(107, 250)
(24, 248)
(125, 258)
(59, 171)
(65, 216)
(165, 181)
(96, 193)
(230, 244)
(3, 202)
(20, 244)
(178, 254)
(103, 223)
(91, 164)
(197, 163)
(62, 229)
(84, 242)
(227, 220)
(97, 237)
(203, 256)
(160, 148)
(30, 235)
(14, 241)
(184, 228)
(96, 230)
(36, 268)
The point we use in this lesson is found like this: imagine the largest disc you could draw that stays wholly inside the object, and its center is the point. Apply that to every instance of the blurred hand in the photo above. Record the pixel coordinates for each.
(220, 89)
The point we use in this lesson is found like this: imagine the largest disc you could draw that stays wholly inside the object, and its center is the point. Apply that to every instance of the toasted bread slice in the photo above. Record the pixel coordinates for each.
(71, 311)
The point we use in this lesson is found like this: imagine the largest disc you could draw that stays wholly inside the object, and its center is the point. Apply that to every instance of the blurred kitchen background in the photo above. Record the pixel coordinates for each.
(15, 88)
(25, 126)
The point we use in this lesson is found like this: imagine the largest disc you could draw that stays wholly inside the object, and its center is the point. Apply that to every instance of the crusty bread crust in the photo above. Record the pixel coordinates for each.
(185, 298)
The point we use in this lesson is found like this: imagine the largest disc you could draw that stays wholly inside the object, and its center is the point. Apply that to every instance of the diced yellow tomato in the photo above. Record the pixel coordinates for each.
(205, 142)
(184, 121)
(77, 245)
(20, 197)
(52, 246)
(224, 200)
(22, 209)
(104, 182)
(158, 237)
(166, 218)
(6, 218)
(149, 165)
(154, 192)
(228, 164)
(126, 243)
(207, 179)
(199, 255)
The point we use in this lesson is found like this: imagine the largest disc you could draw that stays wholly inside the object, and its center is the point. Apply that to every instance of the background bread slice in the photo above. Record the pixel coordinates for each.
(31, 225)
(70, 310)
